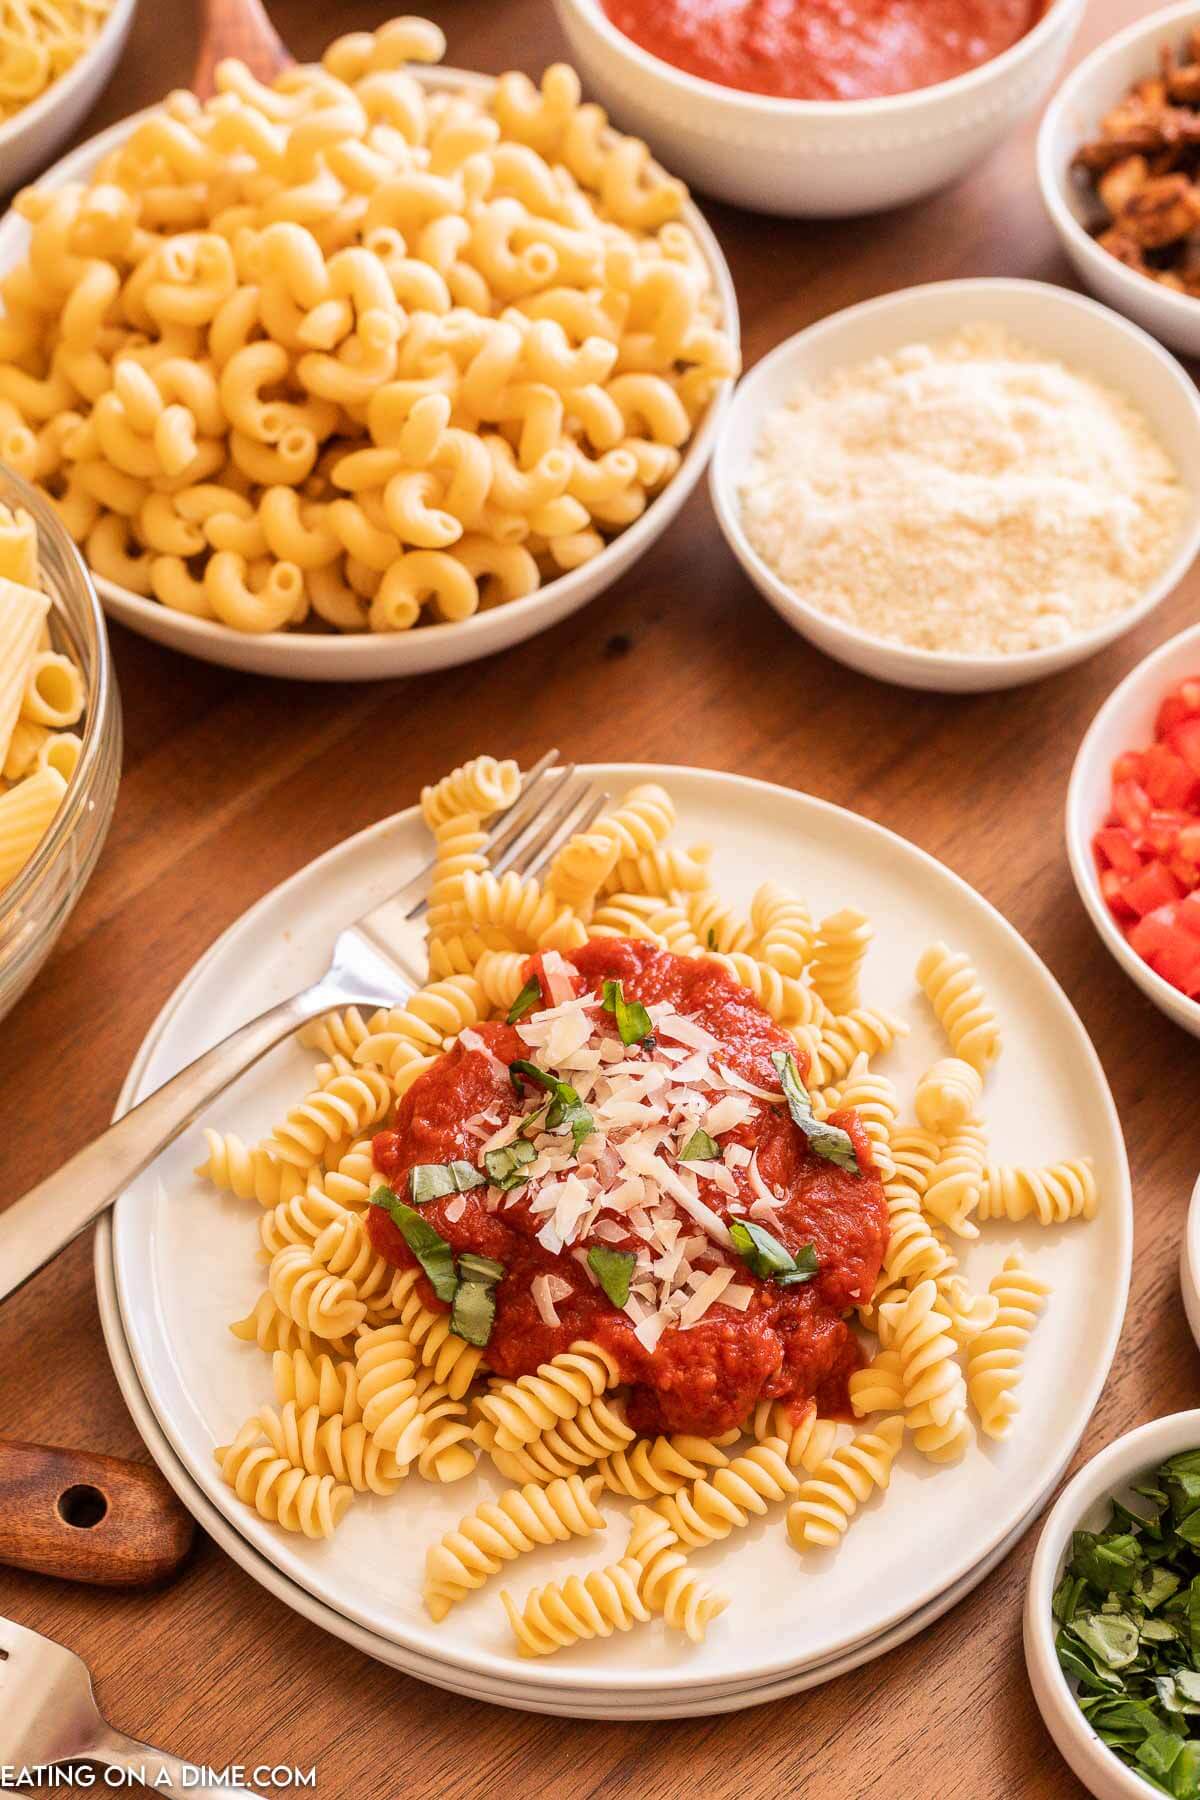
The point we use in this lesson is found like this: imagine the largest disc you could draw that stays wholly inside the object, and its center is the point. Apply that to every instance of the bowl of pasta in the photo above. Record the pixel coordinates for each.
(396, 438)
(58, 59)
(60, 732)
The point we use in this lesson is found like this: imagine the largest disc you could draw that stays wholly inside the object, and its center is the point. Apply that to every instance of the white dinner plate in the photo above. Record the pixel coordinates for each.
(378, 656)
(184, 1267)
(524, 1698)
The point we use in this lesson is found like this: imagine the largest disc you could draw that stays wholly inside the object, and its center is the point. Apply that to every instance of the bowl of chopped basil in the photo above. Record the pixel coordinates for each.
(1112, 1615)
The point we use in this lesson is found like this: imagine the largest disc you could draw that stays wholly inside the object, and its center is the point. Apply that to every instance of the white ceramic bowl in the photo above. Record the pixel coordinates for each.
(1082, 1503)
(1072, 117)
(808, 158)
(30, 138)
(379, 656)
(1189, 1264)
(1125, 722)
(1076, 331)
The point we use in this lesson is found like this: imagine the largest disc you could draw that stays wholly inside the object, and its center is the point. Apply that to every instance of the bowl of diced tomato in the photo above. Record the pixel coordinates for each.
(1133, 826)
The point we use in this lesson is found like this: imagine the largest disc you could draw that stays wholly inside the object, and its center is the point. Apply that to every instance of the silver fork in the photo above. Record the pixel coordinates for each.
(48, 1714)
(377, 961)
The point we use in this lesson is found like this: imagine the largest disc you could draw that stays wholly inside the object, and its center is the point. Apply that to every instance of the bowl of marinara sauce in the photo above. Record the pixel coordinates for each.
(819, 108)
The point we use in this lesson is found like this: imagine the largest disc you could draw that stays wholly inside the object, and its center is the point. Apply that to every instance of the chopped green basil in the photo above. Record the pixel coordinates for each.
(529, 995)
(565, 1108)
(433, 1181)
(829, 1141)
(427, 1245)
(700, 1148)
(633, 1021)
(1128, 1610)
(766, 1257)
(474, 1311)
(613, 1269)
(506, 1165)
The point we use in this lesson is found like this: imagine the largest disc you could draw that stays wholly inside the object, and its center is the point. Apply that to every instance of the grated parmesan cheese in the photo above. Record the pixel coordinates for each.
(970, 495)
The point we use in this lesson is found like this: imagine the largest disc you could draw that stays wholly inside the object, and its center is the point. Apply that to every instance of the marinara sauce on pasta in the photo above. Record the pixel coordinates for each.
(790, 1342)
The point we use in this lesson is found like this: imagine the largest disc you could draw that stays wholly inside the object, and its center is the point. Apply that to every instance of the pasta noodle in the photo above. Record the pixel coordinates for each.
(41, 689)
(498, 1531)
(38, 44)
(376, 1378)
(351, 353)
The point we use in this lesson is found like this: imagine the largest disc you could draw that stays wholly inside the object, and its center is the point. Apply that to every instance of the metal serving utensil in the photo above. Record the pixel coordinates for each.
(377, 961)
(48, 1714)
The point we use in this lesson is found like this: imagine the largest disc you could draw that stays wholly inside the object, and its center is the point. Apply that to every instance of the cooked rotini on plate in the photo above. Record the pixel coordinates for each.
(621, 1211)
(357, 351)
(42, 699)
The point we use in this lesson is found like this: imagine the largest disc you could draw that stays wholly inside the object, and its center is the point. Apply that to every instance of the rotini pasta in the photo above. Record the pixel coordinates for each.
(956, 995)
(995, 1356)
(500, 1530)
(820, 1515)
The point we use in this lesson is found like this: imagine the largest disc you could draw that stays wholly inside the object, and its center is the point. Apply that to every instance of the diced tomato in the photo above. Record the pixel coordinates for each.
(1179, 963)
(1181, 703)
(1115, 846)
(1128, 766)
(1148, 851)
(1112, 886)
(1185, 741)
(1168, 779)
(1155, 887)
(1131, 803)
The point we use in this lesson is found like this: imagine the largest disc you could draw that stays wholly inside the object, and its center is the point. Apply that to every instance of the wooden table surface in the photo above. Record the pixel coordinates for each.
(232, 783)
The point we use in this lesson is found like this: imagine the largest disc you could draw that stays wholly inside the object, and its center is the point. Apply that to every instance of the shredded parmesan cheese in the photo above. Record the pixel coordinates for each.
(970, 495)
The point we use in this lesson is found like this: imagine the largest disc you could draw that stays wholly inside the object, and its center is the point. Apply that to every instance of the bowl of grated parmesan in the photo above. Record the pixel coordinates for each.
(963, 486)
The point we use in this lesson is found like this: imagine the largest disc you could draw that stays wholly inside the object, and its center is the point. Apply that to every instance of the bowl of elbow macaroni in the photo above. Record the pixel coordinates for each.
(378, 370)
(60, 732)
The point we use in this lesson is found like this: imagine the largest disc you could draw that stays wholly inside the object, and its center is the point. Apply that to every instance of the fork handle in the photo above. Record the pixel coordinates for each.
(37, 1227)
(162, 1774)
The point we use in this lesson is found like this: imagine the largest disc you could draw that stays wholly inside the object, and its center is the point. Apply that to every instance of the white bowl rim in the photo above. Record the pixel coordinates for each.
(776, 106)
(1189, 1270)
(1039, 1634)
(64, 85)
(1079, 834)
(345, 646)
(1183, 309)
(1030, 663)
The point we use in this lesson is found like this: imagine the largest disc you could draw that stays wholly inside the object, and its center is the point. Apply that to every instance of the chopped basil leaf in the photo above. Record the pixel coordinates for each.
(427, 1245)
(767, 1258)
(613, 1269)
(566, 1108)
(829, 1141)
(529, 995)
(1128, 1608)
(433, 1181)
(474, 1312)
(473, 1267)
(700, 1148)
(505, 1165)
(633, 1021)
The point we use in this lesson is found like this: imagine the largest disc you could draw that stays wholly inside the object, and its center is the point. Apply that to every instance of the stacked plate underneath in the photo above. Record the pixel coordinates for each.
(177, 1263)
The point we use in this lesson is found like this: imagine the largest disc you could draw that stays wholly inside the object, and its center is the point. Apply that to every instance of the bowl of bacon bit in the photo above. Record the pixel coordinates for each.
(1133, 826)
(1119, 170)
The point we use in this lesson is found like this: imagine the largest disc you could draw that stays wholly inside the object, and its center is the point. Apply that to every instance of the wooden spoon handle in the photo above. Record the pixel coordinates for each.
(89, 1518)
(238, 28)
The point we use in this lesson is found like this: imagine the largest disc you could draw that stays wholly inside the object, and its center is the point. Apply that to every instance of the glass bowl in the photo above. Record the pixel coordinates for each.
(37, 904)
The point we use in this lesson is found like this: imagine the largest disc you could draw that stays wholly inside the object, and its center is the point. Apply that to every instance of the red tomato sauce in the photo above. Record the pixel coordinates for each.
(825, 49)
(791, 1343)
(1148, 849)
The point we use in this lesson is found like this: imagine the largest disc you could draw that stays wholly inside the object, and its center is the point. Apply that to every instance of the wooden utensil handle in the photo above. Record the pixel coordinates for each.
(89, 1518)
(238, 28)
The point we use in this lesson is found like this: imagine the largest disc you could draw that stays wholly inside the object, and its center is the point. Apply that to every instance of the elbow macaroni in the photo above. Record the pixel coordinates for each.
(460, 341)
